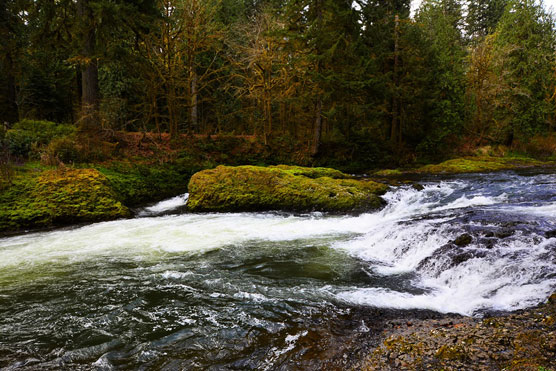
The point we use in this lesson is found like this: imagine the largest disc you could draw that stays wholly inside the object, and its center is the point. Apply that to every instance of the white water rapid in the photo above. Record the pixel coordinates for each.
(408, 240)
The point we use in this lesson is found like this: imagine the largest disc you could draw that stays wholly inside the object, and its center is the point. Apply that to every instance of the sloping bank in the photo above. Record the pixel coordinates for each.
(471, 164)
(39, 198)
(58, 197)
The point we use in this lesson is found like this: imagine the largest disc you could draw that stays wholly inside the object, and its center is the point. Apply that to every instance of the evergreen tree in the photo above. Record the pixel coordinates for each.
(383, 22)
(326, 32)
(482, 17)
(12, 33)
(524, 46)
(445, 55)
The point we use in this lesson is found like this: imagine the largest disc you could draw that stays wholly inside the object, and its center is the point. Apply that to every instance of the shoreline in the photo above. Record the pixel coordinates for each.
(126, 187)
(521, 340)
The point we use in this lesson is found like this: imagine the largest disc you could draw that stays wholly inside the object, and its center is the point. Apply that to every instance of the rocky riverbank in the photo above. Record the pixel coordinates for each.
(523, 340)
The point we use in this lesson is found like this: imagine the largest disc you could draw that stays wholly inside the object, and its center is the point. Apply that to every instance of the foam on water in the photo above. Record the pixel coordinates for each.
(165, 205)
(548, 211)
(146, 238)
(514, 274)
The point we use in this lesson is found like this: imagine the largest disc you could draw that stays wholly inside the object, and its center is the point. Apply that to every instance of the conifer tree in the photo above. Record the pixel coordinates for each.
(524, 48)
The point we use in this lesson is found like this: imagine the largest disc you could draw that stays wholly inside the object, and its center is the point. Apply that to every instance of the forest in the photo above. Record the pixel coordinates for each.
(352, 84)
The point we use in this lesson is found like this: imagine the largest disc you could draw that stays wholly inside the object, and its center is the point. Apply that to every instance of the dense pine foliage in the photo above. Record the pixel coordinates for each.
(343, 80)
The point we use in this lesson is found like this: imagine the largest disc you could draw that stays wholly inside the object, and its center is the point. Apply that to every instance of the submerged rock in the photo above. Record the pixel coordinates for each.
(550, 234)
(254, 188)
(463, 240)
(417, 187)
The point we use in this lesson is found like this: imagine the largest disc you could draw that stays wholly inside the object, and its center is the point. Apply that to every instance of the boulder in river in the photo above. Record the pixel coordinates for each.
(59, 197)
(463, 240)
(289, 188)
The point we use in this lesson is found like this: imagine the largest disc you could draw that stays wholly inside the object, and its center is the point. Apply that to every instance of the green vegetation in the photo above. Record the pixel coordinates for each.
(149, 92)
(26, 138)
(479, 164)
(57, 197)
(470, 164)
(253, 188)
(312, 172)
(136, 184)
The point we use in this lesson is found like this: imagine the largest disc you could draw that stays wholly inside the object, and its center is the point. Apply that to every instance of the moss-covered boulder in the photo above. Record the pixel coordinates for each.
(58, 197)
(479, 164)
(312, 172)
(470, 164)
(253, 188)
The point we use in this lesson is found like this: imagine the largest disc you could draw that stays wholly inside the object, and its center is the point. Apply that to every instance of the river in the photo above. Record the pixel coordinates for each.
(174, 290)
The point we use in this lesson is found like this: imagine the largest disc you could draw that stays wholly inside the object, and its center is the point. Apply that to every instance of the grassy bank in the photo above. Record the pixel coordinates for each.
(39, 196)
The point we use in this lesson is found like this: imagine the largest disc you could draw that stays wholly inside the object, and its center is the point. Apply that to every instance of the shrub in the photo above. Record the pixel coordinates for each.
(137, 184)
(542, 146)
(28, 136)
(64, 149)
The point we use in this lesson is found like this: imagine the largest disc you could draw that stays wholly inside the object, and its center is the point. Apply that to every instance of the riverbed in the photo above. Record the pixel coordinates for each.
(176, 290)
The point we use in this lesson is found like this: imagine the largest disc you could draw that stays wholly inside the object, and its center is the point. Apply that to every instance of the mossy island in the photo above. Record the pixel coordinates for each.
(288, 188)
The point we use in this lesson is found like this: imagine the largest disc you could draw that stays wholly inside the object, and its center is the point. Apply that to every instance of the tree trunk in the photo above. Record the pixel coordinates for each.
(194, 103)
(89, 76)
(395, 134)
(13, 108)
(317, 130)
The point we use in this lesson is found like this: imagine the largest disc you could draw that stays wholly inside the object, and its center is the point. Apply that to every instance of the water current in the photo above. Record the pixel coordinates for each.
(175, 290)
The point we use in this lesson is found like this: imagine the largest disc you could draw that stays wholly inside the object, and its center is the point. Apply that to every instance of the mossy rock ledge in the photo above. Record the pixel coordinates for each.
(59, 197)
(287, 188)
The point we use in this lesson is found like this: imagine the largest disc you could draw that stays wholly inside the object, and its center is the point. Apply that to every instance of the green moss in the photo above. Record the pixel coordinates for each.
(450, 352)
(479, 164)
(389, 172)
(313, 172)
(250, 188)
(57, 197)
(136, 184)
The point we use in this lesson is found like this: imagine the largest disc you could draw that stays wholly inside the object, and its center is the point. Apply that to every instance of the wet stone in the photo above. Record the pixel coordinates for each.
(417, 187)
(503, 233)
(463, 240)
(550, 234)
